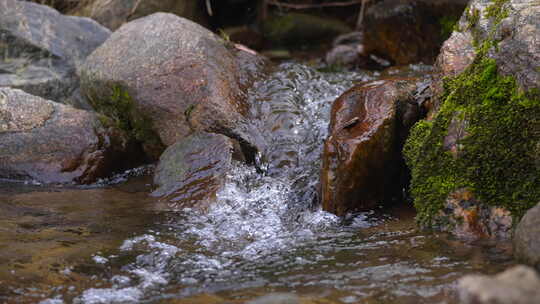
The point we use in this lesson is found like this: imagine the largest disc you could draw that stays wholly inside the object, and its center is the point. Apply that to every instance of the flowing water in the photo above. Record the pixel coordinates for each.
(265, 240)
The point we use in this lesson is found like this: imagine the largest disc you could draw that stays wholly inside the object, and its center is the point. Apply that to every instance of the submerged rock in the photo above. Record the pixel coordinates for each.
(162, 76)
(410, 31)
(53, 143)
(41, 48)
(526, 238)
(517, 285)
(466, 218)
(113, 14)
(362, 165)
(191, 171)
(482, 132)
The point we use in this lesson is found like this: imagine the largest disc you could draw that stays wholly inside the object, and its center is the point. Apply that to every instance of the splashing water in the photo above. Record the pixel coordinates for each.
(255, 215)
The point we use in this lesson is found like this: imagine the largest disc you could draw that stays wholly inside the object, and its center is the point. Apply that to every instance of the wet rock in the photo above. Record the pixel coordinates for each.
(191, 171)
(53, 143)
(465, 217)
(41, 48)
(112, 14)
(295, 28)
(410, 31)
(361, 158)
(517, 285)
(162, 76)
(526, 241)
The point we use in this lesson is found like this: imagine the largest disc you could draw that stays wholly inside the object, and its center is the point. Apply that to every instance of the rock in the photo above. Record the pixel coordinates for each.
(361, 158)
(517, 285)
(244, 35)
(53, 143)
(456, 54)
(161, 76)
(526, 241)
(482, 133)
(191, 171)
(112, 14)
(295, 28)
(41, 48)
(465, 217)
(517, 52)
(409, 31)
(514, 24)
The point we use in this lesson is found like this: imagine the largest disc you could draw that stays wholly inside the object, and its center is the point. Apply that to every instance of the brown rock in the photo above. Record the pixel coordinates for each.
(361, 158)
(53, 143)
(112, 14)
(467, 218)
(162, 76)
(405, 31)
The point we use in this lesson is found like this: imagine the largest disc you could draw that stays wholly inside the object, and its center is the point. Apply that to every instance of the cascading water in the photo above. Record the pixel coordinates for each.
(256, 215)
(265, 234)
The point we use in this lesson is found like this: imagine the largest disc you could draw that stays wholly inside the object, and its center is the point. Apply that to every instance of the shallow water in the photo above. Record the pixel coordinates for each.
(265, 236)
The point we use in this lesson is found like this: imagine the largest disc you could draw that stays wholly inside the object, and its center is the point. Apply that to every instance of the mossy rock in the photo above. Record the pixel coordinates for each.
(497, 157)
(495, 103)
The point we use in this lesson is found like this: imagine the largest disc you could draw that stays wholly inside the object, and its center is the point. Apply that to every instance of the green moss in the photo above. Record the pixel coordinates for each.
(473, 16)
(496, 159)
(496, 10)
(119, 110)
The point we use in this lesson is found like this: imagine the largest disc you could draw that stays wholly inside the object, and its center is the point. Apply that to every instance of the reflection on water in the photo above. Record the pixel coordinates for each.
(265, 235)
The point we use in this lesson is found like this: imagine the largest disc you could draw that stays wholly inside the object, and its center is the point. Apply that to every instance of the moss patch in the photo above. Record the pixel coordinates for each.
(496, 160)
(496, 10)
(119, 110)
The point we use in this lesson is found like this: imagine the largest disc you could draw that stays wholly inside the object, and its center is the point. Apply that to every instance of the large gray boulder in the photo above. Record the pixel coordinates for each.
(50, 142)
(162, 76)
(527, 238)
(41, 48)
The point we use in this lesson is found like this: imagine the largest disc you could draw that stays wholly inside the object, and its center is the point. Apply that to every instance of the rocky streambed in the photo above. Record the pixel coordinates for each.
(254, 182)
(263, 240)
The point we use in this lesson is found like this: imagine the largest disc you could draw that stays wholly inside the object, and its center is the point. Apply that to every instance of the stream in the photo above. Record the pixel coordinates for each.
(265, 240)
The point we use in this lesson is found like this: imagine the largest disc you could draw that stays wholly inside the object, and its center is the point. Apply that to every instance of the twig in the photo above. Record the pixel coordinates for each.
(361, 15)
(209, 8)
